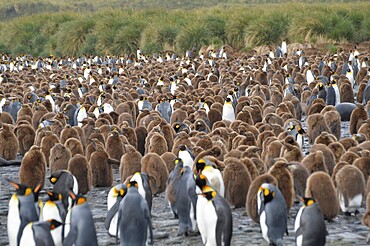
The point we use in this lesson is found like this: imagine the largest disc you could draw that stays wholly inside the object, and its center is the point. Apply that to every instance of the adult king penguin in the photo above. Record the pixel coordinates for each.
(309, 225)
(272, 212)
(134, 218)
(81, 225)
(214, 218)
(228, 111)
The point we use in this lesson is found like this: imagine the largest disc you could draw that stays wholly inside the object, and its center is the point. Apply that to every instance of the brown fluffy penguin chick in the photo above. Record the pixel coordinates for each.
(315, 162)
(337, 149)
(251, 167)
(336, 169)
(157, 144)
(114, 145)
(320, 186)
(101, 168)
(365, 129)
(33, 168)
(75, 146)
(68, 132)
(351, 189)
(26, 137)
(363, 164)
(284, 177)
(291, 151)
(80, 168)
(59, 157)
(251, 204)
(156, 168)
(348, 143)
(237, 181)
(8, 143)
(169, 158)
(328, 156)
(315, 126)
(332, 120)
(47, 143)
(300, 176)
(358, 116)
(349, 157)
(130, 162)
(325, 138)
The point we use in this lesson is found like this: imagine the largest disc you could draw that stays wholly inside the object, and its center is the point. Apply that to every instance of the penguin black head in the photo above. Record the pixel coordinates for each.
(178, 161)
(54, 224)
(301, 130)
(231, 93)
(141, 98)
(228, 99)
(266, 194)
(208, 193)
(307, 201)
(132, 184)
(21, 189)
(77, 199)
(53, 196)
(202, 100)
(201, 163)
(182, 147)
(176, 127)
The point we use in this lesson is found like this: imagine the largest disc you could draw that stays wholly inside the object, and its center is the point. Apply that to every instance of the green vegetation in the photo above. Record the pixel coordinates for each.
(77, 27)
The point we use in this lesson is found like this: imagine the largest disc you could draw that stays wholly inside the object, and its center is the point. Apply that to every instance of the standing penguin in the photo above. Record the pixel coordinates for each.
(22, 210)
(272, 212)
(79, 224)
(214, 218)
(115, 196)
(39, 233)
(134, 218)
(186, 200)
(309, 225)
(351, 189)
(172, 182)
(228, 111)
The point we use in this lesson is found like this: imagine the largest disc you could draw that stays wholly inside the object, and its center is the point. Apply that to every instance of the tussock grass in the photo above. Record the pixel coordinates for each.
(111, 30)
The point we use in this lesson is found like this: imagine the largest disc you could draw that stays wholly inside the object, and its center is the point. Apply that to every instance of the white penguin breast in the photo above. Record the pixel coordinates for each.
(192, 217)
(228, 112)
(13, 220)
(50, 212)
(264, 227)
(113, 226)
(202, 217)
(211, 223)
(27, 238)
(297, 221)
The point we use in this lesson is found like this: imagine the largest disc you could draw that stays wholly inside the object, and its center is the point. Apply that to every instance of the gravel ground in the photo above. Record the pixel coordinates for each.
(342, 230)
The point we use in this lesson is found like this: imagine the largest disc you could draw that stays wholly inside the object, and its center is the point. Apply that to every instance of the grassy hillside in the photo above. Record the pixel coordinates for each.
(88, 27)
